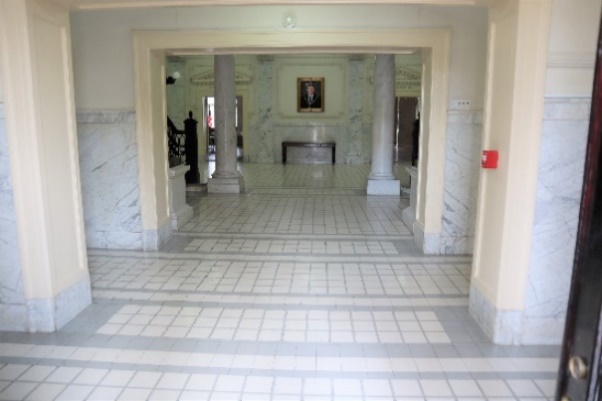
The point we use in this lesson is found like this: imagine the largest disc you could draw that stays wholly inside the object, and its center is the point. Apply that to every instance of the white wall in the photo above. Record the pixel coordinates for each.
(572, 47)
(102, 45)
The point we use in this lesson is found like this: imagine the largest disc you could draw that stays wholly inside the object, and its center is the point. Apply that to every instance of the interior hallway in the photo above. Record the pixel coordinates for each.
(301, 288)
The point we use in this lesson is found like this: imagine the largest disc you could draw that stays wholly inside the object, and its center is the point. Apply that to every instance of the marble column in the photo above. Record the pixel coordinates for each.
(381, 180)
(226, 178)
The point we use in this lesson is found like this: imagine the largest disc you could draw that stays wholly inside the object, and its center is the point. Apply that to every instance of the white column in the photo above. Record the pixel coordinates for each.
(225, 179)
(37, 84)
(381, 180)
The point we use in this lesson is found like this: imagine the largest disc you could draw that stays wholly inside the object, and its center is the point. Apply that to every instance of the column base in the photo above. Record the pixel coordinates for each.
(234, 185)
(384, 187)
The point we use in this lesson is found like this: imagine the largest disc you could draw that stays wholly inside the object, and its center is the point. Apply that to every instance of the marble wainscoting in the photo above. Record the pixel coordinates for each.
(260, 147)
(13, 308)
(109, 176)
(560, 179)
(460, 187)
(359, 135)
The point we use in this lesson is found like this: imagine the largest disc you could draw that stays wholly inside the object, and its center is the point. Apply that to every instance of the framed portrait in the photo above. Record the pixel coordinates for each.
(310, 95)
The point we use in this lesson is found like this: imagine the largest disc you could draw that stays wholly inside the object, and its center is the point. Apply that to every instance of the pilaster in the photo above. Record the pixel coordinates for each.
(40, 120)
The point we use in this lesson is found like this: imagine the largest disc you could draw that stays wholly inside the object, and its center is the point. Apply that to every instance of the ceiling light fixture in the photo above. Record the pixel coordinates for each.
(289, 20)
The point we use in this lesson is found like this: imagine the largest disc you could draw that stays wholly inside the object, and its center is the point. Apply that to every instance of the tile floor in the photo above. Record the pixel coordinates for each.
(303, 288)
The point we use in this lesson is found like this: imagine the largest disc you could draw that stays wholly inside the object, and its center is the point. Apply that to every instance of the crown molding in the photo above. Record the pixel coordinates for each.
(113, 4)
(571, 60)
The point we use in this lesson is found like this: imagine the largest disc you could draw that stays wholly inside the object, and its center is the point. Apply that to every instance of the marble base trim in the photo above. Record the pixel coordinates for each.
(437, 244)
(542, 330)
(181, 217)
(226, 185)
(114, 240)
(501, 326)
(408, 216)
(384, 187)
(13, 317)
(427, 243)
(72, 301)
(153, 239)
(47, 314)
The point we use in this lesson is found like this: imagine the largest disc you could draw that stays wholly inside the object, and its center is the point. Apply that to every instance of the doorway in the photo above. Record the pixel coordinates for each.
(406, 114)
(209, 126)
(150, 50)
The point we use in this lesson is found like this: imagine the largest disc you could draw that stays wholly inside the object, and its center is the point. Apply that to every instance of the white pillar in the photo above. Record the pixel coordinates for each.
(517, 57)
(225, 179)
(381, 180)
(37, 84)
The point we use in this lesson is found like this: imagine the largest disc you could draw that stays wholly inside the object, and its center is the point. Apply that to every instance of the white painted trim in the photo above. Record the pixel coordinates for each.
(514, 102)
(44, 210)
(112, 4)
(571, 60)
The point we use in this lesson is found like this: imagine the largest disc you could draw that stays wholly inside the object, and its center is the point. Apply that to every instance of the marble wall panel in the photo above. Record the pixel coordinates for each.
(460, 186)
(461, 182)
(359, 140)
(260, 147)
(12, 299)
(109, 176)
(560, 178)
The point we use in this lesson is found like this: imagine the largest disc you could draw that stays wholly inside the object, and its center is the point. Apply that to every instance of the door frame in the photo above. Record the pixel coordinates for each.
(150, 45)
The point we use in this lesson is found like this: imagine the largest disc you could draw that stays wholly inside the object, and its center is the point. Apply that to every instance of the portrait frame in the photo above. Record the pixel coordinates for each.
(315, 104)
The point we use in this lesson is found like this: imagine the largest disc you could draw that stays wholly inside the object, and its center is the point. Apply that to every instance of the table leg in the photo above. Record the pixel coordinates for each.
(283, 154)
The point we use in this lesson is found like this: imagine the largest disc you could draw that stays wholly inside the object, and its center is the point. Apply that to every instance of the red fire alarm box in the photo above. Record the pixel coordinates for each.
(489, 159)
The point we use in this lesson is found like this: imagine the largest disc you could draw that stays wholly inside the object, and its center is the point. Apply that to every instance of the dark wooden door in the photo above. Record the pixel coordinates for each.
(579, 373)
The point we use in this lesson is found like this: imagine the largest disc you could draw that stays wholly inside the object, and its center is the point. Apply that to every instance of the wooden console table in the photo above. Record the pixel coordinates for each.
(332, 145)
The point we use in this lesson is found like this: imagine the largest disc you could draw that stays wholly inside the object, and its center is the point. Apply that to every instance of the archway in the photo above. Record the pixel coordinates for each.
(150, 49)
